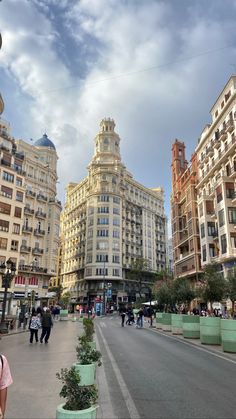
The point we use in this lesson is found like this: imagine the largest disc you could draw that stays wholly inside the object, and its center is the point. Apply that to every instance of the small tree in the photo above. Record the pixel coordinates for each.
(231, 287)
(214, 284)
(58, 291)
(164, 296)
(65, 299)
(182, 292)
(138, 267)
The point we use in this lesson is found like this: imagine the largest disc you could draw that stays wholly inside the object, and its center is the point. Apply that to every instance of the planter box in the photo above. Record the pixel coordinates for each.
(177, 324)
(191, 326)
(228, 335)
(86, 372)
(166, 322)
(210, 330)
(63, 314)
(159, 320)
(90, 413)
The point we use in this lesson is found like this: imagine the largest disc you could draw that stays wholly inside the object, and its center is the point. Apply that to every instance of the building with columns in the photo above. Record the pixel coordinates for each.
(109, 221)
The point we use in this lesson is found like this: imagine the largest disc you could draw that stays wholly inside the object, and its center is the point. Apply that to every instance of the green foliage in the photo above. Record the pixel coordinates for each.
(87, 355)
(230, 289)
(182, 291)
(65, 298)
(77, 397)
(164, 296)
(214, 284)
(88, 328)
(58, 290)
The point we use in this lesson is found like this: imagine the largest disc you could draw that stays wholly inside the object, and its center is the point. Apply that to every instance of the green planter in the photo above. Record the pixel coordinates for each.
(159, 320)
(63, 314)
(86, 372)
(166, 322)
(81, 318)
(191, 326)
(90, 413)
(177, 324)
(210, 330)
(228, 335)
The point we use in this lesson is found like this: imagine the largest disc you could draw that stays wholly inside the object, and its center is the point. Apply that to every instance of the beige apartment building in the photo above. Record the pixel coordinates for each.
(216, 197)
(109, 221)
(29, 216)
(184, 214)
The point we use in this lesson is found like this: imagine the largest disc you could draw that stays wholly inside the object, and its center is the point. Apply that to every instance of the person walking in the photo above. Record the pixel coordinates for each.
(34, 326)
(46, 326)
(141, 316)
(5, 382)
(122, 318)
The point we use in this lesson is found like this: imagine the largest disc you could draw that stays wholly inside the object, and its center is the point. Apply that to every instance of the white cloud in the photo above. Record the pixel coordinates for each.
(150, 108)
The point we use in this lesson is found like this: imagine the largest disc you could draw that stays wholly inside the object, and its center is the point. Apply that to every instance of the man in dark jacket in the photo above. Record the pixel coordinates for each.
(46, 326)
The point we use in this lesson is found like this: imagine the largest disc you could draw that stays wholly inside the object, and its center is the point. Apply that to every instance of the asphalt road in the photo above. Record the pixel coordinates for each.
(151, 375)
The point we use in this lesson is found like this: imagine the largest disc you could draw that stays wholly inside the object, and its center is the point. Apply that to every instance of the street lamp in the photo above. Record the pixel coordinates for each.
(8, 273)
(104, 288)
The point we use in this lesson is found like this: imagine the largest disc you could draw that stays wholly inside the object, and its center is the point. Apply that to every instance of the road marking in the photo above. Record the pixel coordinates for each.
(194, 346)
(106, 408)
(124, 389)
(102, 324)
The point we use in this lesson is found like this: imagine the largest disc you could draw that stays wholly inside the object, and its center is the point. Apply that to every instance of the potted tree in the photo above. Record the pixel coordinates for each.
(89, 331)
(228, 326)
(165, 300)
(182, 294)
(87, 360)
(80, 402)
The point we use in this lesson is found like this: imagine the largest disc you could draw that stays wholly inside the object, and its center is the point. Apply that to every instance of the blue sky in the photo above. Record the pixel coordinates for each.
(156, 67)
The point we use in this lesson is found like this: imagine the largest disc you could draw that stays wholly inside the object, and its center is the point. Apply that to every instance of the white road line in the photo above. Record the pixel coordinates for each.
(200, 348)
(124, 389)
(102, 324)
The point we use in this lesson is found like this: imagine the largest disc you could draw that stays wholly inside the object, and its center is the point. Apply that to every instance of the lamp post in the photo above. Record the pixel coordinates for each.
(8, 272)
(104, 288)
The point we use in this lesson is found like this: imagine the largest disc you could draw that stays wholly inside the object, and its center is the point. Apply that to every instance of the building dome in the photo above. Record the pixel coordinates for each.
(44, 142)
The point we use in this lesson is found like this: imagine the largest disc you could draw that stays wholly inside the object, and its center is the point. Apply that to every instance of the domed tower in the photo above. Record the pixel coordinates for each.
(107, 143)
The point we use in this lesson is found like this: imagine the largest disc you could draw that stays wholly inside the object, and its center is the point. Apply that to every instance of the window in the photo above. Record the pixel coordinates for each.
(8, 177)
(233, 240)
(90, 210)
(6, 192)
(102, 245)
(3, 243)
(89, 258)
(221, 218)
(115, 245)
(212, 250)
(19, 181)
(90, 245)
(211, 228)
(115, 272)
(5, 208)
(202, 229)
(116, 221)
(102, 271)
(4, 226)
(14, 245)
(200, 210)
(232, 215)
(90, 223)
(102, 258)
(116, 259)
(219, 195)
(116, 211)
(204, 253)
(102, 210)
(103, 221)
(230, 193)
(102, 233)
(116, 199)
(19, 196)
(223, 244)
(103, 198)
(88, 272)
(116, 234)
(90, 233)
(16, 229)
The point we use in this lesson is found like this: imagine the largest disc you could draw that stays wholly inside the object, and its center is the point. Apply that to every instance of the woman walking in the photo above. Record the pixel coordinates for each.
(34, 326)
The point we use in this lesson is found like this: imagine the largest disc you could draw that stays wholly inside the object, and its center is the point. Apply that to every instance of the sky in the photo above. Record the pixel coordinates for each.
(155, 67)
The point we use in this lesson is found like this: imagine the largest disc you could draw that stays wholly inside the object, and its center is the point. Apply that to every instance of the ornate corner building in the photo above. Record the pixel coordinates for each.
(109, 221)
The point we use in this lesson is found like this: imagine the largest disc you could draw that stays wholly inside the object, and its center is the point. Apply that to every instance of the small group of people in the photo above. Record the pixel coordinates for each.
(40, 318)
(131, 319)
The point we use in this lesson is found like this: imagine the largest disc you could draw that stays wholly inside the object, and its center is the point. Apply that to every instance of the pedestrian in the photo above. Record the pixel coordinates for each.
(122, 318)
(141, 316)
(46, 326)
(34, 326)
(5, 382)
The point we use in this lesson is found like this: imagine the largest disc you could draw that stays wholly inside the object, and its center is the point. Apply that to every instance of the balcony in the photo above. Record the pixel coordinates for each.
(27, 229)
(28, 211)
(223, 134)
(30, 194)
(5, 163)
(25, 249)
(37, 251)
(19, 156)
(210, 152)
(40, 214)
(39, 232)
(230, 125)
(41, 197)
(31, 268)
(217, 144)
